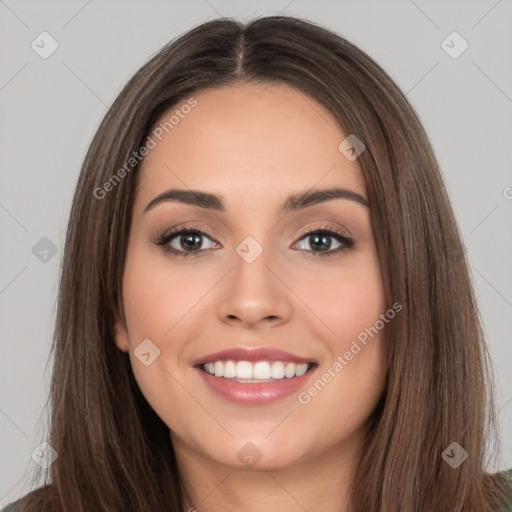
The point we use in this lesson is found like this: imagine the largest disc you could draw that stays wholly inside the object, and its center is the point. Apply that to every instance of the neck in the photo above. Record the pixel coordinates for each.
(321, 483)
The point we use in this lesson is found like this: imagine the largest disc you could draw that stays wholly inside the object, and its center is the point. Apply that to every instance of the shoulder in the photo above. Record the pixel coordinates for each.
(15, 506)
(41, 499)
(10, 508)
(508, 476)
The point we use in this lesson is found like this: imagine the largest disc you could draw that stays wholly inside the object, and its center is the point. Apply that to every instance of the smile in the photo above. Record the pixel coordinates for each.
(261, 371)
(254, 376)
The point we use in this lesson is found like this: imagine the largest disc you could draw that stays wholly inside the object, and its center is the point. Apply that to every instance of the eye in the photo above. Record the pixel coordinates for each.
(320, 239)
(190, 239)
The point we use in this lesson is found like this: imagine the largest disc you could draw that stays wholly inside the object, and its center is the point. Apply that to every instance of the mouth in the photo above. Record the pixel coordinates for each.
(255, 376)
(261, 371)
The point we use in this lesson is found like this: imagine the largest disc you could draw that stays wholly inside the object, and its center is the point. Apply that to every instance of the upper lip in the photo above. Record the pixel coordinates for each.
(251, 354)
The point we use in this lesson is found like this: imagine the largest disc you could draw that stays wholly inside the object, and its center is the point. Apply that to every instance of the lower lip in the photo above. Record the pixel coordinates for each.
(259, 393)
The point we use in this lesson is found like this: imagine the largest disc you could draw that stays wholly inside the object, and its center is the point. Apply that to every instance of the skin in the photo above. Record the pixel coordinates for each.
(254, 145)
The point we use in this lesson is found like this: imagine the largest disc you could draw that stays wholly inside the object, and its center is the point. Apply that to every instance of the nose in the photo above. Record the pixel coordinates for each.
(255, 293)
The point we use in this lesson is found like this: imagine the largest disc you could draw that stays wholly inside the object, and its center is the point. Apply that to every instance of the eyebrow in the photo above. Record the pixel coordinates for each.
(293, 202)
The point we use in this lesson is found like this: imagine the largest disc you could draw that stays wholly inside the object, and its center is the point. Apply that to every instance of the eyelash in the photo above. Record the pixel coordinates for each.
(163, 241)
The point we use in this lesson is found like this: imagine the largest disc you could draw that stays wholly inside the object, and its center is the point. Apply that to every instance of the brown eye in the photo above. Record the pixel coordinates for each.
(320, 241)
(187, 241)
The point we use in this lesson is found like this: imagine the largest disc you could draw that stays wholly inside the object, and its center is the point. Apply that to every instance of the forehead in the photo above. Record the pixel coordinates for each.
(248, 142)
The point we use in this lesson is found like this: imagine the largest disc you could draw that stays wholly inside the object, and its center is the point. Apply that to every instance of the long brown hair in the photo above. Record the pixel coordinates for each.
(114, 452)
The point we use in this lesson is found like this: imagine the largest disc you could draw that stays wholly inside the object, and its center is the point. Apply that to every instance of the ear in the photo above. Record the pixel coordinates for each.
(121, 334)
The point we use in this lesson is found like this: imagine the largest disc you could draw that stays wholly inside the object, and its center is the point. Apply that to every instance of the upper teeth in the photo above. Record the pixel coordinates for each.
(261, 370)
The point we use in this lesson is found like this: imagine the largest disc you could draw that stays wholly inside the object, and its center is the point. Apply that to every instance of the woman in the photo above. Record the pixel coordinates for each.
(261, 367)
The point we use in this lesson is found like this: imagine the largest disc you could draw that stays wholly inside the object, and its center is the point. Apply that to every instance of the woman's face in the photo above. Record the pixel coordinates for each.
(255, 283)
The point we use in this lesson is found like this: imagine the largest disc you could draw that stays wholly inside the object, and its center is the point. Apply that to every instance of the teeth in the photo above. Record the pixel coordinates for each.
(243, 370)
(262, 370)
(229, 369)
(219, 369)
(277, 370)
(289, 370)
(301, 370)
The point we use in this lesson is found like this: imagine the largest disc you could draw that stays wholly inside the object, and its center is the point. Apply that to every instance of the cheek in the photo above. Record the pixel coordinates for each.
(159, 300)
(161, 304)
(154, 308)
(350, 380)
(347, 299)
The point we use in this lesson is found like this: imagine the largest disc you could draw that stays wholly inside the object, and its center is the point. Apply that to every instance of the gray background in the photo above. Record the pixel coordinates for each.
(51, 107)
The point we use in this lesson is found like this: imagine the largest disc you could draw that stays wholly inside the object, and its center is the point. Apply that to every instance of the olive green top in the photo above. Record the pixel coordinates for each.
(508, 475)
(505, 508)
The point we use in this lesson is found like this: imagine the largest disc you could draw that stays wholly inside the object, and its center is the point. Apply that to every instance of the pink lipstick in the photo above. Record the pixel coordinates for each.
(254, 376)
